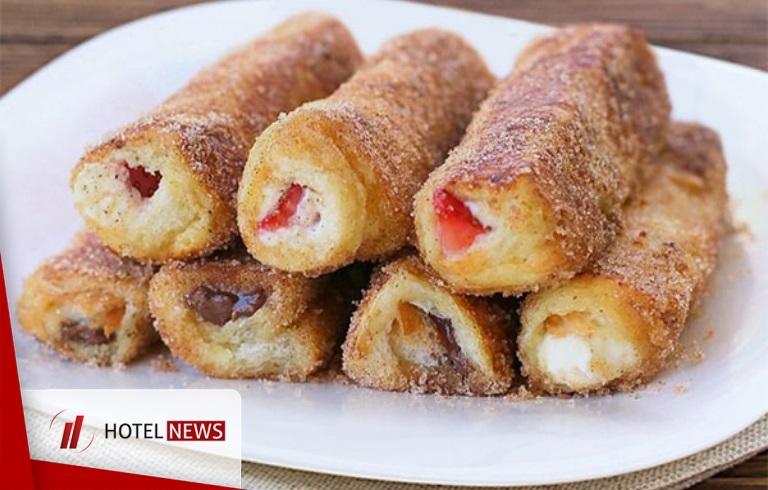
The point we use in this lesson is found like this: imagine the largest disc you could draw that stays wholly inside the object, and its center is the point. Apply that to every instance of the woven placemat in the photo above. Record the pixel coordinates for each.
(671, 476)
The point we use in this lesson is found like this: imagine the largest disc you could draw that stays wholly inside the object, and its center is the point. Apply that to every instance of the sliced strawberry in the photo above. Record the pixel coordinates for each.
(285, 209)
(456, 225)
(144, 182)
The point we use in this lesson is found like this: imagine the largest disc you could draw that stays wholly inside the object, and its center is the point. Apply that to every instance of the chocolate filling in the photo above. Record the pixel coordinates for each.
(219, 307)
(447, 339)
(144, 182)
(80, 331)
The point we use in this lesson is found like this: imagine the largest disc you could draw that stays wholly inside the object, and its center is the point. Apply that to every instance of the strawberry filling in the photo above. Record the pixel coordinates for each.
(144, 182)
(456, 226)
(281, 214)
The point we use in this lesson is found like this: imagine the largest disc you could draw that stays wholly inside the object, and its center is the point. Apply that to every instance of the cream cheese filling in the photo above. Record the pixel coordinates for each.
(585, 361)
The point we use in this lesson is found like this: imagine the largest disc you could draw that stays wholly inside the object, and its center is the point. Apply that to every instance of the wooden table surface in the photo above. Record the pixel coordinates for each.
(32, 32)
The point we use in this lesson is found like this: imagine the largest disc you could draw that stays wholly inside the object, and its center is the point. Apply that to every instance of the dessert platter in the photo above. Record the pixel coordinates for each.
(424, 245)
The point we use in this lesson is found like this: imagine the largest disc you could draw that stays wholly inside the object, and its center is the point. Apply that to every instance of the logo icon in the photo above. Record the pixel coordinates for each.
(71, 435)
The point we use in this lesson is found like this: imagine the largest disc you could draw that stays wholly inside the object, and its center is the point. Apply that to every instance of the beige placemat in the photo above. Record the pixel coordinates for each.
(672, 476)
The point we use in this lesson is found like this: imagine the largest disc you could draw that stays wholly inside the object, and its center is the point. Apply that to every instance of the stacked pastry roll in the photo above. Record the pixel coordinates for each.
(333, 181)
(570, 185)
(529, 197)
(230, 316)
(411, 333)
(534, 192)
(89, 304)
(164, 187)
(614, 325)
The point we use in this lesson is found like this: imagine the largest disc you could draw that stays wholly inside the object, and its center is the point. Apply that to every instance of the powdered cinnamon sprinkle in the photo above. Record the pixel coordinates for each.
(742, 228)
(165, 363)
(87, 255)
(584, 109)
(220, 111)
(200, 136)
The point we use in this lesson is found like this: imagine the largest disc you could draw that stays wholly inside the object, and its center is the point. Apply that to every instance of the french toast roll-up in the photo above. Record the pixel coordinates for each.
(534, 191)
(232, 317)
(89, 304)
(334, 180)
(165, 186)
(411, 333)
(613, 326)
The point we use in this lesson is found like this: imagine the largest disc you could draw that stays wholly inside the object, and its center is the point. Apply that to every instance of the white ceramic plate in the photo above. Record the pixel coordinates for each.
(48, 119)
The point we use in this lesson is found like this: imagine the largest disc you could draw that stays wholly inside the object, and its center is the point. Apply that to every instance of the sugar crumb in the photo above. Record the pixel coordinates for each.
(742, 228)
(165, 363)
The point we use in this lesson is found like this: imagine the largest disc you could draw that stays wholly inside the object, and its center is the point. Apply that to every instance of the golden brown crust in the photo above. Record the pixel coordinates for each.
(289, 334)
(88, 256)
(650, 278)
(89, 304)
(374, 140)
(668, 249)
(230, 103)
(561, 138)
(207, 127)
(411, 334)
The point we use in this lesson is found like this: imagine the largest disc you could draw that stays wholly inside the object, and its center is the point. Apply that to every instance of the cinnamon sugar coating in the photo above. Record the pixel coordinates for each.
(302, 59)
(89, 304)
(549, 159)
(86, 255)
(643, 288)
(288, 333)
(197, 141)
(410, 333)
(363, 152)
